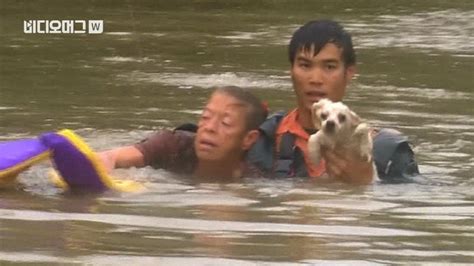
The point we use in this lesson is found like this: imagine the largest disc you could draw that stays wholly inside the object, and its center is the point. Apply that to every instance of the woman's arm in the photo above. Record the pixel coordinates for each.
(123, 157)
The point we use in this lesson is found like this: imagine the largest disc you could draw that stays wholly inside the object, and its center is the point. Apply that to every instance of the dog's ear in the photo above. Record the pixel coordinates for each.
(315, 113)
(319, 104)
(355, 119)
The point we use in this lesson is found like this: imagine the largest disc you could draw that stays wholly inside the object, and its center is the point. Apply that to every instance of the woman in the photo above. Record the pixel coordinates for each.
(226, 130)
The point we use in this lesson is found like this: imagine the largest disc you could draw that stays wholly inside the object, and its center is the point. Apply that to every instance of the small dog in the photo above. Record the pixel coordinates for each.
(339, 129)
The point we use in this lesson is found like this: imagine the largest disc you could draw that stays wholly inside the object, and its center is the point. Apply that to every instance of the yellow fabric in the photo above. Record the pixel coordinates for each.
(9, 175)
(108, 181)
(57, 179)
(118, 184)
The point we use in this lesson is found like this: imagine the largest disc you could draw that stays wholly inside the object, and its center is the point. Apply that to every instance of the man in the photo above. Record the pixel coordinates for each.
(322, 65)
(227, 128)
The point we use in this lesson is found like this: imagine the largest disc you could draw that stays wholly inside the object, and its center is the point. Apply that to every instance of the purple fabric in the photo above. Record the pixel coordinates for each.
(16, 152)
(75, 168)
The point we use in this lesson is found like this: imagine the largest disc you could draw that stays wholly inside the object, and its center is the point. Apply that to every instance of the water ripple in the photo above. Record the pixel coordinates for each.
(412, 92)
(448, 30)
(359, 205)
(190, 80)
(212, 226)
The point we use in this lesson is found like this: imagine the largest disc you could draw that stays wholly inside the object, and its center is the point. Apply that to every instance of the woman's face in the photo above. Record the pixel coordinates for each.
(222, 131)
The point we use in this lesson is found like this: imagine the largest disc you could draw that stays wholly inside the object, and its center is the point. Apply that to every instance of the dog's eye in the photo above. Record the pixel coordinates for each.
(324, 116)
(341, 118)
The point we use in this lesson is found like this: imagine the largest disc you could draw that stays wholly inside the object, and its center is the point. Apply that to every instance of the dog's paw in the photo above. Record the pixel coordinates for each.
(362, 136)
(365, 149)
(366, 156)
(314, 149)
(362, 130)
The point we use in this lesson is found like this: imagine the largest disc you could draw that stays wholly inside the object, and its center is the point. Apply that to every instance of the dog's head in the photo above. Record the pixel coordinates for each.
(333, 117)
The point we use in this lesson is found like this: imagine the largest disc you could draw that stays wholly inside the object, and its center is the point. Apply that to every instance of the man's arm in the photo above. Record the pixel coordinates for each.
(123, 157)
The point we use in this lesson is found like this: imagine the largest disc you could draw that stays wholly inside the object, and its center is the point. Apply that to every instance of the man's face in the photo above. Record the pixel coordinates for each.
(221, 129)
(320, 76)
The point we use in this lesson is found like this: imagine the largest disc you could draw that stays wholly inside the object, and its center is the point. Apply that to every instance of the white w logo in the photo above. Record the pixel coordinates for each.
(96, 26)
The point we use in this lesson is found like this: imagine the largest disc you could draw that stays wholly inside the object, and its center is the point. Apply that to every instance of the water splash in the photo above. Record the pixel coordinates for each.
(448, 30)
(191, 80)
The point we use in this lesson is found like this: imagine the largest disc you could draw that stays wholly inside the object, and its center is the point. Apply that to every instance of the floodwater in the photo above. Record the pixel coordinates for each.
(152, 67)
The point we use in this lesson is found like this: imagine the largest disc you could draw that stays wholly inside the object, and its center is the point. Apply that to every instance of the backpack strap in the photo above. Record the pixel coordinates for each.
(283, 165)
(290, 159)
(289, 162)
(262, 152)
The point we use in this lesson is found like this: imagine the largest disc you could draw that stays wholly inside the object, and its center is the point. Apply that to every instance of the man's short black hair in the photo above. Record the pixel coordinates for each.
(316, 34)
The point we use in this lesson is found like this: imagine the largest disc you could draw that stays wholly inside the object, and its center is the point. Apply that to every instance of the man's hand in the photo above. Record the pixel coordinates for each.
(348, 168)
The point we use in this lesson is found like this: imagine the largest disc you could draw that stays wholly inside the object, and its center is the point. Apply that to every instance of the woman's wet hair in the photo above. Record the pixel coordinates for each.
(256, 110)
(314, 35)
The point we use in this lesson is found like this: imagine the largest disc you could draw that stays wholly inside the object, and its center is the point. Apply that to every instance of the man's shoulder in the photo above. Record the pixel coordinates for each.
(269, 127)
(393, 156)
